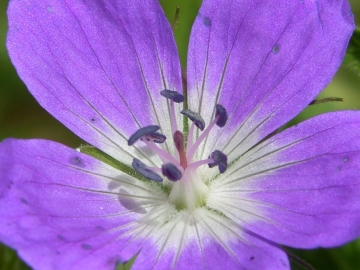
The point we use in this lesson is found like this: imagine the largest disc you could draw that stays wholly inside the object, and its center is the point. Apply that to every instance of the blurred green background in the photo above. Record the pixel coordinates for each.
(22, 117)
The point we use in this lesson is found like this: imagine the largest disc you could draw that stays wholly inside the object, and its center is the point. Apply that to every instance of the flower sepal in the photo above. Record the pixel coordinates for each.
(100, 155)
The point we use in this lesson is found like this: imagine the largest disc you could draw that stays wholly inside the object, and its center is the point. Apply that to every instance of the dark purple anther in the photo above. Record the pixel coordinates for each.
(171, 172)
(172, 95)
(222, 114)
(195, 117)
(155, 137)
(145, 131)
(141, 168)
(220, 160)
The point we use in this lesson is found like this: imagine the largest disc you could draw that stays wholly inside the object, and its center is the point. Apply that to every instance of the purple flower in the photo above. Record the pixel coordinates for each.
(205, 189)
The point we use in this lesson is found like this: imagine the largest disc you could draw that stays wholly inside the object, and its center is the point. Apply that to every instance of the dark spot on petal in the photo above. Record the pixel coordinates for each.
(252, 258)
(276, 49)
(100, 228)
(10, 184)
(23, 200)
(49, 9)
(346, 159)
(77, 161)
(58, 252)
(92, 120)
(86, 246)
(207, 21)
(60, 237)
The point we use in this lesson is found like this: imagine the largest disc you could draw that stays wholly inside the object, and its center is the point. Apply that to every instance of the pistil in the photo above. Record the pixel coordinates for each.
(173, 96)
(179, 143)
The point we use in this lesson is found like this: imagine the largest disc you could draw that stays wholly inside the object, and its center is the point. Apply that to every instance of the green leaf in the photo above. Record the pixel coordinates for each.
(352, 56)
(127, 265)
(9, 259)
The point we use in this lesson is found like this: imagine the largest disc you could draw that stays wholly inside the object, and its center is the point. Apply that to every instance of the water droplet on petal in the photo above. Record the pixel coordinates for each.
(346, 159)
(23, 200)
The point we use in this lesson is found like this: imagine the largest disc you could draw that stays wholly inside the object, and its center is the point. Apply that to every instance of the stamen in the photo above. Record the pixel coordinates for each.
(190, 136)
(179, 143)
(172, 95)
(164, 156)
(220, 120)
(195, 118)
(219, 159)
(197, 164)
(203, 135)
(171, 172)
(141, 168)
(145, 131)
(191, 191)
(155, 137)
(222, 114)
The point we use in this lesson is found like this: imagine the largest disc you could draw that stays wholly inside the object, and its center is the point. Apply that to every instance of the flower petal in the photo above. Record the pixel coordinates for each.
(61, 209)
(202, 239)
(301, 187)
(264, 61)
(97, 66)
